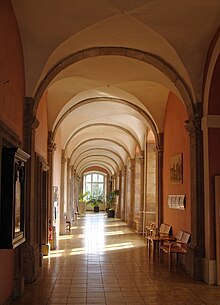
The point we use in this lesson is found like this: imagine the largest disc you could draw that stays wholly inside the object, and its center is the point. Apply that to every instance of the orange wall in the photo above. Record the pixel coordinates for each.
(176, 140)
(7, 274)
(12, 82)
(42, 131)
(12, 92)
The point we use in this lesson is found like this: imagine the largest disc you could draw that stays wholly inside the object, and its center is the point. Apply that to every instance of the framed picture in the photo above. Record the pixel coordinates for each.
(12, 208)
(176, 169)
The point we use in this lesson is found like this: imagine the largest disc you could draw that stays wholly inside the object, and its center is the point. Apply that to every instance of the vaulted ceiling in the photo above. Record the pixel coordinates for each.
(108, 67)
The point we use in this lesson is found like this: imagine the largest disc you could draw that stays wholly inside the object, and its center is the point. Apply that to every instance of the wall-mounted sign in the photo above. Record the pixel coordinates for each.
(176, 202)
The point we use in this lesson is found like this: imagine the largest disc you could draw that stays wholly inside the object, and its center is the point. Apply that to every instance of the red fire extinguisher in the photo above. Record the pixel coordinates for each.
(50, 228)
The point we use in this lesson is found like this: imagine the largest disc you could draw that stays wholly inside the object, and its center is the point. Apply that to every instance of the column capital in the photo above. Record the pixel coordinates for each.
(132, 165)
(125, 170)
(68, 160)
(51, 146)
(193, 124)
(63, 159)
(30, 120)
(141, 159)
(158, 149)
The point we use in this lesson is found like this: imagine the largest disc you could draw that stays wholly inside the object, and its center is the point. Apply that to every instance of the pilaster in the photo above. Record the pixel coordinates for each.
(62, 199)
(51, 147)
(132, 194)
(72, 189)
(123, 208)
(195, 253)
(68, 180)
(30, 249)
(159, 171)
(119, 210)
(141, 161)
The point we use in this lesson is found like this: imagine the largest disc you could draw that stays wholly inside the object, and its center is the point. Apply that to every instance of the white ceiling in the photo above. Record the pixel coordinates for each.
(98, 102)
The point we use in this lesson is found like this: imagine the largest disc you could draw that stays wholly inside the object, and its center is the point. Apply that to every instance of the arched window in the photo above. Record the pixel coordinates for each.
(94, 183)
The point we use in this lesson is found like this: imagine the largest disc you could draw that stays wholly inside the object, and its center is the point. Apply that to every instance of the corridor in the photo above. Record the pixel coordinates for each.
(101, 261)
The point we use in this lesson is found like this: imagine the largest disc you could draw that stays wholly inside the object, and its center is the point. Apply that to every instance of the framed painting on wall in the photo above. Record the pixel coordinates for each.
(176, 169)
(12, 207)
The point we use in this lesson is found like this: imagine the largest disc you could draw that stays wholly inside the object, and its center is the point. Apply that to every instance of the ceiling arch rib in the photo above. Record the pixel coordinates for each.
(105, 125)
(88, 164)
(103, 133)
(98, 150)
(144, 116)
(97, 158)
(145, 57)
(98, 146)
(103, 140)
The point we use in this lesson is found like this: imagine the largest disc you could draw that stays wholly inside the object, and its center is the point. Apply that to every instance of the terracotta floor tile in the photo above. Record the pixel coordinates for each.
(77, 289)
(112, 294)
(111, 270)
(76, 301)
(91, 300)
(95, 295)
(115, 300)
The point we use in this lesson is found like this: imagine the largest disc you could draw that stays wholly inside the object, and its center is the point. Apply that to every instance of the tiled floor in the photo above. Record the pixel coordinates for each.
(101, 261)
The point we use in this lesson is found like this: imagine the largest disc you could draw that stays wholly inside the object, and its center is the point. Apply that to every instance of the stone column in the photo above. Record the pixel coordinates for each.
(132, 194)
(141, 161)
(51, 147)
(62, 193)
(159, 171)
(68, 181)
(30, 249)
(76, 191)
(119, 210)
(141, 211)
(196, 249)
(123, 211)
(45, 242)
(72, 208)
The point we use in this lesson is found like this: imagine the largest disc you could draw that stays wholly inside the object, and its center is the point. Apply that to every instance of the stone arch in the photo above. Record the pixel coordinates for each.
(211, 131)
(95, 139)
(142, 56)
(108, 125)
(96, 155)
(101, 149)
(106, 99)
(105, 165)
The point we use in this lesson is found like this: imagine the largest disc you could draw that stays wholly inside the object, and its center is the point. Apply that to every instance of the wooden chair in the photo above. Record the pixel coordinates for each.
(155, 241)
(177, 247)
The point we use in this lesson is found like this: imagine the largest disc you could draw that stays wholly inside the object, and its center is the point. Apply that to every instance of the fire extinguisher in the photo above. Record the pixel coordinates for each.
(50, 228)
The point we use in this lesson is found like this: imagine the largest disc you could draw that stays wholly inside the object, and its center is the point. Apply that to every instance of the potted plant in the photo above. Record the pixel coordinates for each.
(111, 202)
(95, 201)
(82, 203)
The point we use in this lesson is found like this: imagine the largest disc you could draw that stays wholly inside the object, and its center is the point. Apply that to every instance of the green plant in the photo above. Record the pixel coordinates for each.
(111, 199)
(82, 197)
(95, 201)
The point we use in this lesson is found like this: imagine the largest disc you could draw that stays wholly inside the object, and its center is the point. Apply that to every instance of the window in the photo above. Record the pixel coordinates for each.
(94, 183)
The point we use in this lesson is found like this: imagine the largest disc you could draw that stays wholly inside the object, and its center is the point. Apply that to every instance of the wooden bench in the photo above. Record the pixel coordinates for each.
(154, 241)
(177, 247)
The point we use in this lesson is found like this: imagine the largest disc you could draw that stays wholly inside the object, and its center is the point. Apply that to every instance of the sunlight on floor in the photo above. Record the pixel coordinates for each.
(108, 265)
(62, 237)
(104, 234)
(101, 249)
(96, 248)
